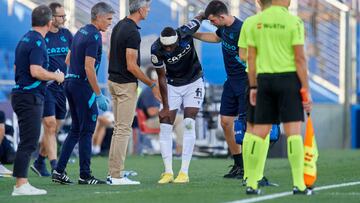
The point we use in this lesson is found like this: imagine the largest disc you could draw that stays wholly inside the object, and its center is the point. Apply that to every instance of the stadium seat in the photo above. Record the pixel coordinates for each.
(142, 124)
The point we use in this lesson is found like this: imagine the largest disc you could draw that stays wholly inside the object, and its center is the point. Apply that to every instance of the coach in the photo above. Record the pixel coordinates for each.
(31, 62)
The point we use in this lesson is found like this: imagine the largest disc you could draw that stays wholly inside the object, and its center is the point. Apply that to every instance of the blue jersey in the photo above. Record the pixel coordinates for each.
(229, 39)
(86, 42)
(31, 50)
(58, 45)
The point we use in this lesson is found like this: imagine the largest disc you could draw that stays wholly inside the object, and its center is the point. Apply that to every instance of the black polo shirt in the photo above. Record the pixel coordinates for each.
(124, 35)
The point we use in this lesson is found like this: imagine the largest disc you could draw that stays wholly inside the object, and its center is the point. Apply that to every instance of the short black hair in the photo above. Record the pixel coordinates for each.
(41, 16)
(53, 6)
(216, 8)
(168, 32)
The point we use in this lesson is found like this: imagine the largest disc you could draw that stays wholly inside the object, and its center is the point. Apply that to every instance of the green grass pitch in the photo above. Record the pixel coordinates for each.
(206, 182)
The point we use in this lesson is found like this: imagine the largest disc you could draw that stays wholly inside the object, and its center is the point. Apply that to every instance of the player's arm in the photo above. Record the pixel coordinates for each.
(190, 28)
(163, 86)
(207, 37)
(91, 74)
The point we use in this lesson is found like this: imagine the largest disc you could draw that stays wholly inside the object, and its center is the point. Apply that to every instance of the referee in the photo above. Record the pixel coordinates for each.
(31, 62)
(277, 72)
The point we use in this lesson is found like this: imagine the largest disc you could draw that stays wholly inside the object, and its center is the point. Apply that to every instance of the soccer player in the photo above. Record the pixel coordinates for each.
(233, 103)
(263, 4)
(27, 100)
(277, 72)
(180, 84)
(83, 92)
(58, 41)
(124, 72)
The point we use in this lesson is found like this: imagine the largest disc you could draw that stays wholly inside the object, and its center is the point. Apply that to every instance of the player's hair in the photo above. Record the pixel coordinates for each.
(41, 16)
(53, 6)
(266, 2)
(135, 5)
(216, 8)
(168, 32)
(101, 8)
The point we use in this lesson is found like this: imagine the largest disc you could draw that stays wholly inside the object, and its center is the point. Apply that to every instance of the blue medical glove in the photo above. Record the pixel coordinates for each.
(102, 102)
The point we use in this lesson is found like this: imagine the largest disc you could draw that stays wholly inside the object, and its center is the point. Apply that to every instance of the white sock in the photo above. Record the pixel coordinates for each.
(188, 144)
(166, 146)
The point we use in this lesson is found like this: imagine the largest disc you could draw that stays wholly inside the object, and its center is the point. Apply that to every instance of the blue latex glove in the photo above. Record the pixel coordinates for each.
(102, 102)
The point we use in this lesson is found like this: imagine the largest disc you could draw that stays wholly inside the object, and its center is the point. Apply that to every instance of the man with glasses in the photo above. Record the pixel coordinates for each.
(58, 41)
(124, 72)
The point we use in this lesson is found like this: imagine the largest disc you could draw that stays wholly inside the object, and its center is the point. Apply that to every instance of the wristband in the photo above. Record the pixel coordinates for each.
(152, 85)
(253, 87)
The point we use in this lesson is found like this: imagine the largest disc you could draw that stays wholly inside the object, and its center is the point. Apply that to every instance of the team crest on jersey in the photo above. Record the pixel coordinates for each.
(62, 38)
(259, 26)
(231, 35)
(96, 37)
(154, 59)
(38, 43)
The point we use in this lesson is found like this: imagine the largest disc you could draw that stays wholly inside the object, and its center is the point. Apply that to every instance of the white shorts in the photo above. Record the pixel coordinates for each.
(190, 95)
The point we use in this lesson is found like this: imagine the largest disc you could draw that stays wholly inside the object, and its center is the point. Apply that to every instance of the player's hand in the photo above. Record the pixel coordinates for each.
(59, 77)
(253, 93)
(201, 15)
(102, 102)
(155, 90)
(164, 113)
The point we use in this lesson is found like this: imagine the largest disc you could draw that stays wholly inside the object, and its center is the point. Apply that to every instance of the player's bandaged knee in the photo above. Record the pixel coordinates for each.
(189, 126)
(240, 129)
(274, 133)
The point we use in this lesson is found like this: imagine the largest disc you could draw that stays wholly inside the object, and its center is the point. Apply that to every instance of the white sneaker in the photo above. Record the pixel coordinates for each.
(5, 171)
(121, 181)
(27, 189)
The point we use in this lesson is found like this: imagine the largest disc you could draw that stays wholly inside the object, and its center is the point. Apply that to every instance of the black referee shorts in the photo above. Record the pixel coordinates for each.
(278, 99)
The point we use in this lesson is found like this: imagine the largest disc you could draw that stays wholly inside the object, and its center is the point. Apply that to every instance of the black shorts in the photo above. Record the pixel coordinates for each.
(278, 99)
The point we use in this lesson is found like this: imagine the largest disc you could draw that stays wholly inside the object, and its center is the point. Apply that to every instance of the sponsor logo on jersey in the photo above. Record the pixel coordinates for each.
(58, 50)
(229, 46)
(175, 59)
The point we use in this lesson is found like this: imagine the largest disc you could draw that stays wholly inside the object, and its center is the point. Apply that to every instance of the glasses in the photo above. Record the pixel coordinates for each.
(60, 16)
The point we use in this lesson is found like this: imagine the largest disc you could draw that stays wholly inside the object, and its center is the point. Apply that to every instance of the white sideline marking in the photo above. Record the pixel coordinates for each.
(283, 194)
